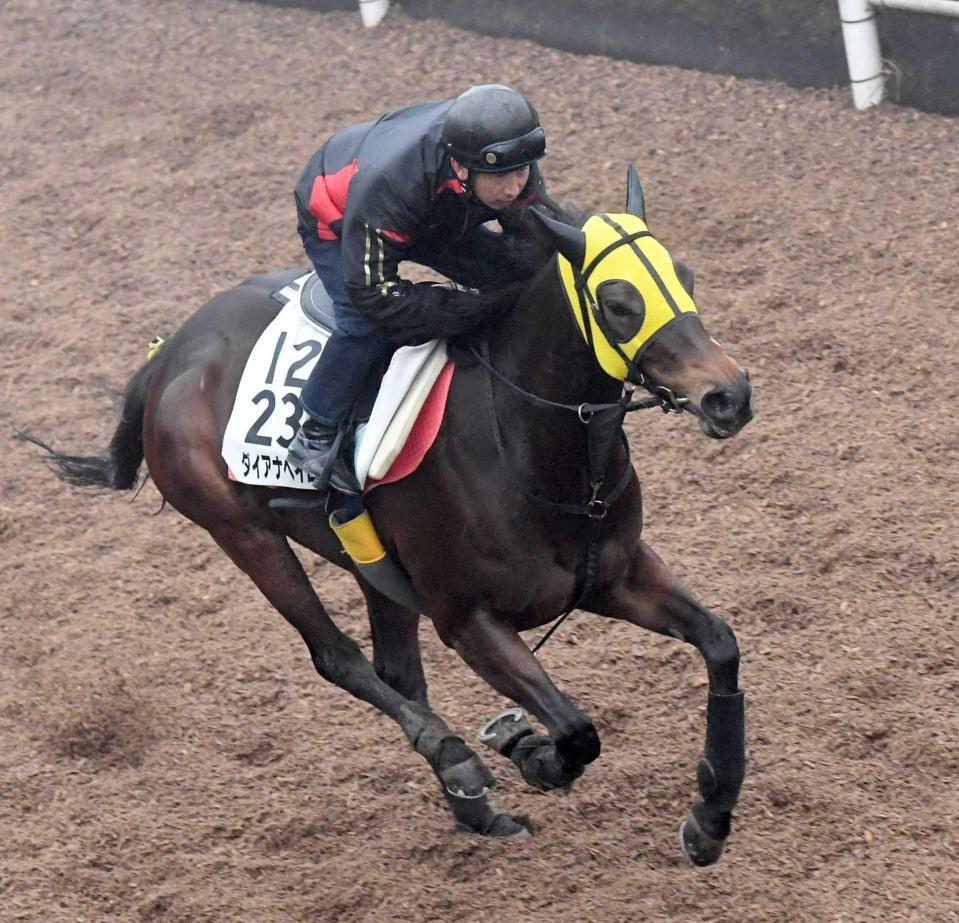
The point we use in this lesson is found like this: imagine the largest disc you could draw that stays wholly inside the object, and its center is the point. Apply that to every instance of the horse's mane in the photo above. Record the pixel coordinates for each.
(528, 249)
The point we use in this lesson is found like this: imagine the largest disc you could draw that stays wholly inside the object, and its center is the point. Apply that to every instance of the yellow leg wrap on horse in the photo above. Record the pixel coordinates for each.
(359, 539)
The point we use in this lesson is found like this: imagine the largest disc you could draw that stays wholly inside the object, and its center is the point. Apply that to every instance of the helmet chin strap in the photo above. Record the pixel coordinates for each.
(470, 194)
(465, 183)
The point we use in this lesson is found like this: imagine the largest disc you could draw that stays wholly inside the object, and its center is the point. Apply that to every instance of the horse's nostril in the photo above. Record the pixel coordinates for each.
(719, 404)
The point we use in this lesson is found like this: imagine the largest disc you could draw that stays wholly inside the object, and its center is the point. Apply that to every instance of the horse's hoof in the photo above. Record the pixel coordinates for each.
(502, 732)
(504, 826)
(700, 848)
(541, 766)
(501, 826)
(469, 779)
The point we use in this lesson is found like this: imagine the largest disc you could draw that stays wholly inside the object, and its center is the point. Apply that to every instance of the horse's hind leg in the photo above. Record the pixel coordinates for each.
(267, 558)
(188, 473)
(396, 646)
(652, 597)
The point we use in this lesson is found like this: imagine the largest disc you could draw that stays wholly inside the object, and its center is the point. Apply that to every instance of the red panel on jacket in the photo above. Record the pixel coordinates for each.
(328, 199)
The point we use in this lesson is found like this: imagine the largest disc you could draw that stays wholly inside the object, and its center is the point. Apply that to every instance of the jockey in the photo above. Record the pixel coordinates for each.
(417, 184)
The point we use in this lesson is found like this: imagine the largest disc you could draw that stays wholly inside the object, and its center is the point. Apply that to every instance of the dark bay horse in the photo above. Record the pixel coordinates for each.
(506, 523)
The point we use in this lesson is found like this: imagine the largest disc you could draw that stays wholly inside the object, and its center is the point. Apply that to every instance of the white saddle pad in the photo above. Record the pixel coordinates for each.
(404, 390)
(267, 410)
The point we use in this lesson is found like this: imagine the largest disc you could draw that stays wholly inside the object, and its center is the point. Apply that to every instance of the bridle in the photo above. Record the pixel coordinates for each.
(588, 307)
(603, 421)
(662, 396)
(600, 436)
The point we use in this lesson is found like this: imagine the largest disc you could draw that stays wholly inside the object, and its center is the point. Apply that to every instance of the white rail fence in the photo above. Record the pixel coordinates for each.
(860, 35)
(373, 11)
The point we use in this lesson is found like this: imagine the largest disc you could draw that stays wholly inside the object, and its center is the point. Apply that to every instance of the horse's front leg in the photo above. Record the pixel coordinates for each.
(651, 596)
(492, 647)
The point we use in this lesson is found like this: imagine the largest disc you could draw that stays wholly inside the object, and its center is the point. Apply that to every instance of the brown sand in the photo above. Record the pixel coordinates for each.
(167, 751)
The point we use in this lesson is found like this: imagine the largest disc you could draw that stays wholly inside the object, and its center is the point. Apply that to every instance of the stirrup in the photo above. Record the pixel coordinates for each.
(336, 473)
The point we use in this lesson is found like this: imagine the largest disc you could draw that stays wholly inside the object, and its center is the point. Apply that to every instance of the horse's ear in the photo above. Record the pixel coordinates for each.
(635, 203)
(569, 241)
(685, 275)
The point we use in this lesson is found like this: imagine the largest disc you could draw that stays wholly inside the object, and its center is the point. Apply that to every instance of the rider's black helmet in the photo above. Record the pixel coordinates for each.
(493, 129)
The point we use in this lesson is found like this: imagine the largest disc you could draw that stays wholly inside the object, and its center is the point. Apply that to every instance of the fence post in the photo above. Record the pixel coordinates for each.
(373, 11)
(861, 38)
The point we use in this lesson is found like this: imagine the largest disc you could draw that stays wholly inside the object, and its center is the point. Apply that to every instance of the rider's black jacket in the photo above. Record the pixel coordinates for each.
(387, 190)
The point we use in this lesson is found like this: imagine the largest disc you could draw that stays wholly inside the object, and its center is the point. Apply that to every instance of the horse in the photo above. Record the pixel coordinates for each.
(525, 506)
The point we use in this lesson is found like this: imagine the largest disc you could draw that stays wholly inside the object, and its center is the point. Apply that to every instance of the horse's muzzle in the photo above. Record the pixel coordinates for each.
(727, 408)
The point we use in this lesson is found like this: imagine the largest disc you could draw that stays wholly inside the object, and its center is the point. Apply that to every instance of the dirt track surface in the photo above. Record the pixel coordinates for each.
(167, 751)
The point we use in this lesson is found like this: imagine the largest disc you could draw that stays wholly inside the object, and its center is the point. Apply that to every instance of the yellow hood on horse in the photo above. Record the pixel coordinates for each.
(620, 248)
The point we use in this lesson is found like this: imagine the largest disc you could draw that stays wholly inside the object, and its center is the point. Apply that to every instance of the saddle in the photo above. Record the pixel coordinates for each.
(315, 302)
(410, 399)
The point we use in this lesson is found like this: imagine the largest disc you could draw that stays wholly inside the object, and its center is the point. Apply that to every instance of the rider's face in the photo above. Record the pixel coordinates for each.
(495, 190)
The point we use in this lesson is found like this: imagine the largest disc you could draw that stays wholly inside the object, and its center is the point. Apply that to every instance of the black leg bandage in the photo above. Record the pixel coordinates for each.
(721, 770)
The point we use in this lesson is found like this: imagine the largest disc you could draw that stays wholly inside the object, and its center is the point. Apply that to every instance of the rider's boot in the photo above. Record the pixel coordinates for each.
(311, 449)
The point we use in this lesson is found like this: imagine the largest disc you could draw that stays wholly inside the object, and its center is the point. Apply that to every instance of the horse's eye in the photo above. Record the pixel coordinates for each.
(622, 309)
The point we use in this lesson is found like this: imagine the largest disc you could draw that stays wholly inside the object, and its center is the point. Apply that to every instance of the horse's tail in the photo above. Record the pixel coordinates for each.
(117, 468)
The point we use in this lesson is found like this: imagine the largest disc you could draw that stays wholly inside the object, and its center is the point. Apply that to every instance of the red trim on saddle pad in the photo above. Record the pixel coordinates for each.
(423, 433)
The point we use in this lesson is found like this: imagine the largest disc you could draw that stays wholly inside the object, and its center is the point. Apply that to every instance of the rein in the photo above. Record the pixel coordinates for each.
(583, 411)
(603, 422)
